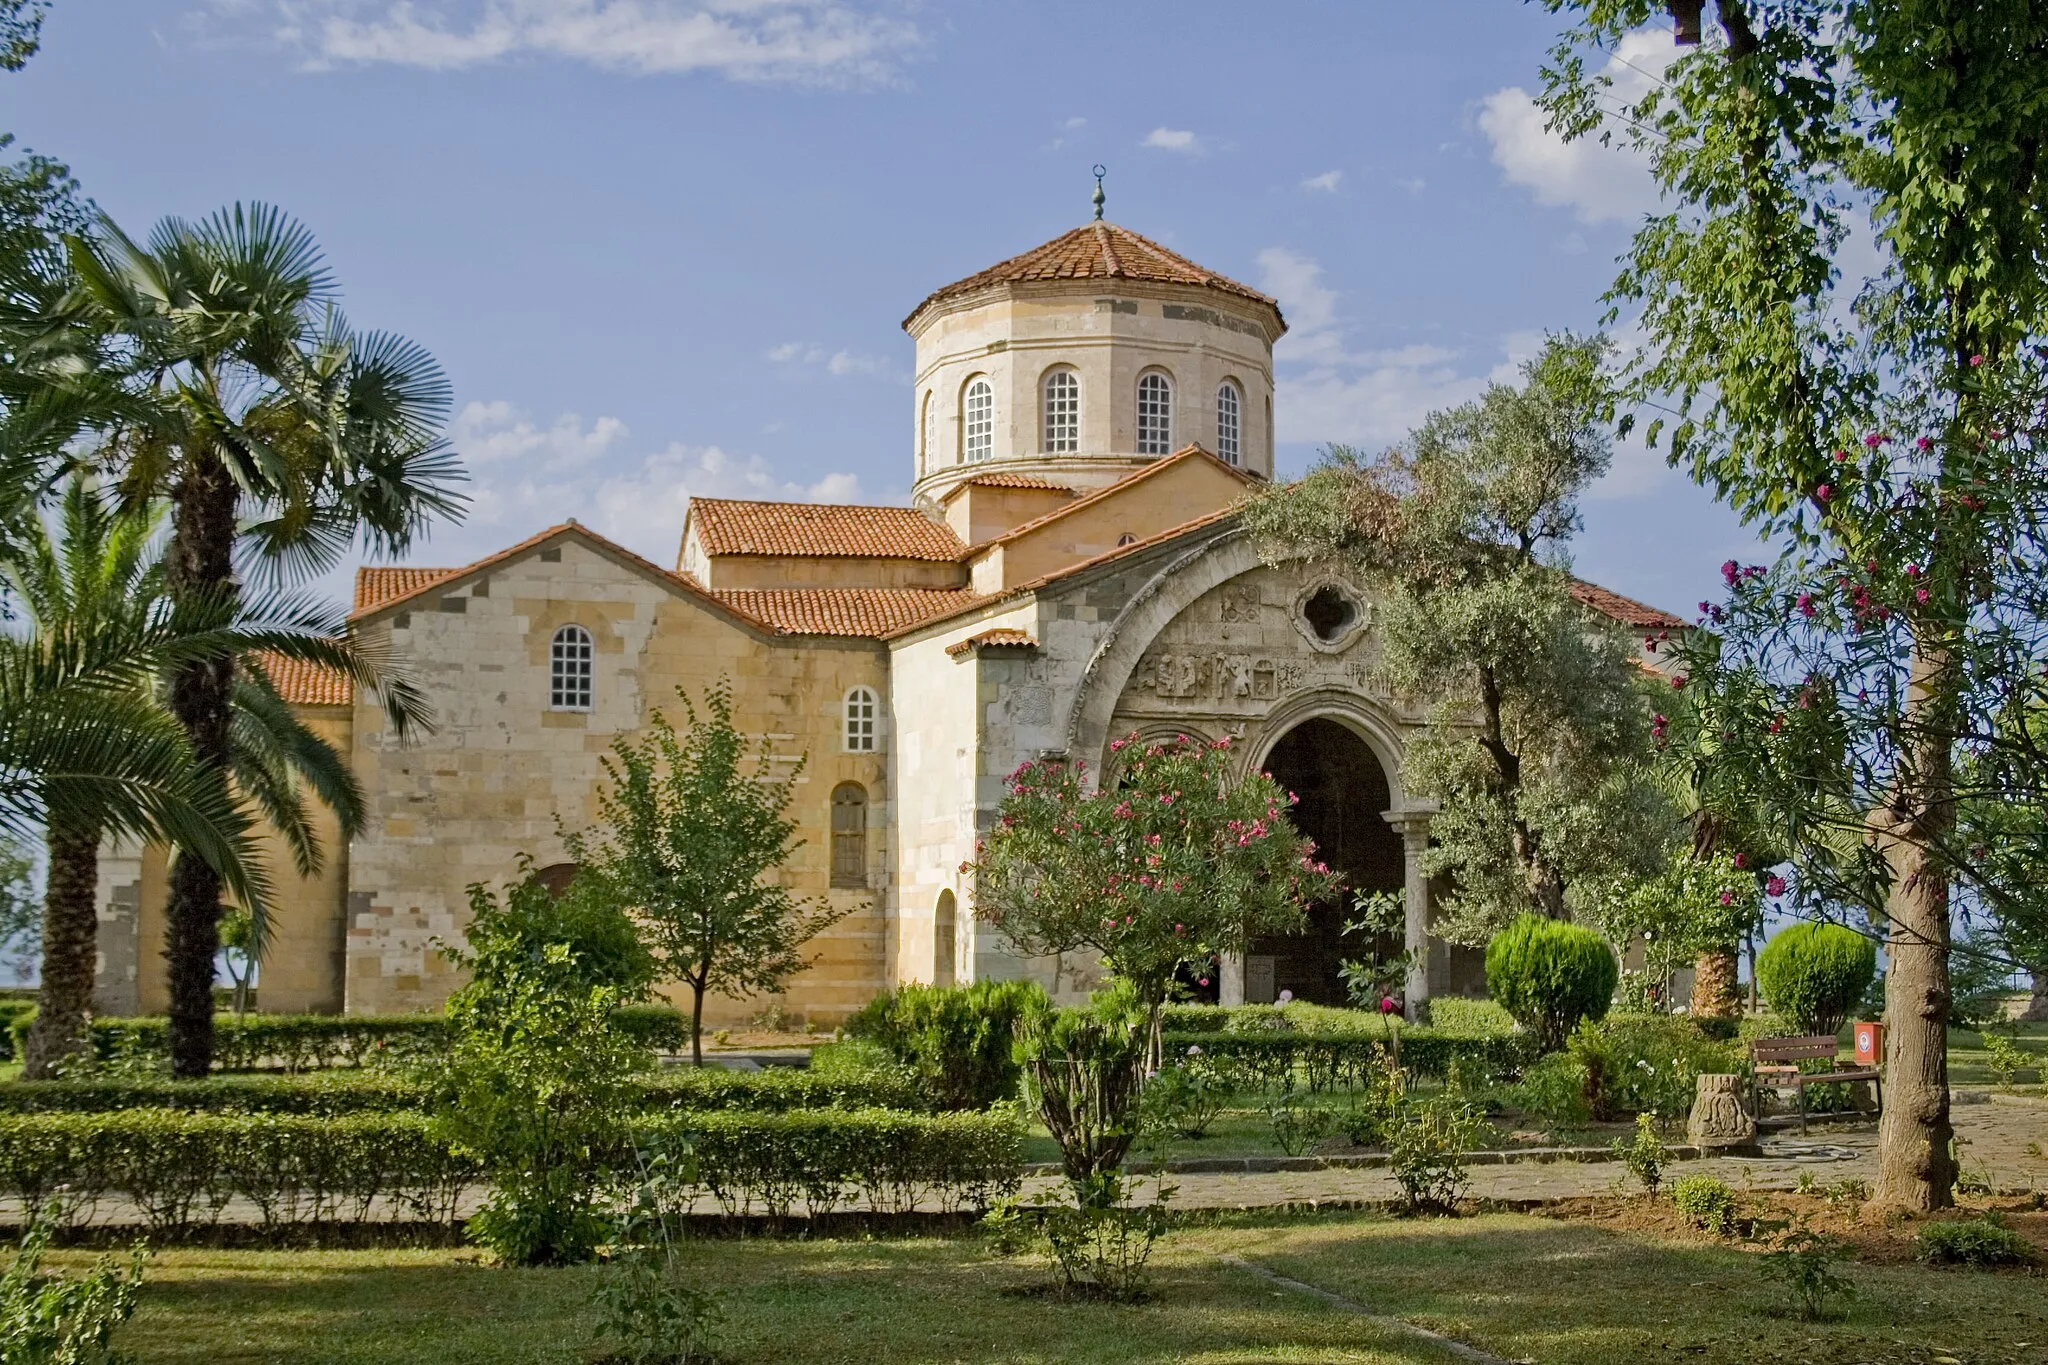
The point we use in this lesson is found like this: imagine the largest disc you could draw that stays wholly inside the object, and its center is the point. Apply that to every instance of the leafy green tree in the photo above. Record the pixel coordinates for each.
(273, 429)
(690, 832)
(1537, 727)
(1171, 865)
(537, 1078)
(1694, 910)
(1884, 426)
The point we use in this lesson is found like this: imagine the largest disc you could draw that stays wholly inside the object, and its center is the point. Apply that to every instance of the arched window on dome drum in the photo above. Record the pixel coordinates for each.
(1229, 424)
(571, 663)
(1060, 402)
(861, 708)
(849, 835)
(978, 421)
(1155, 415)
(924, 434)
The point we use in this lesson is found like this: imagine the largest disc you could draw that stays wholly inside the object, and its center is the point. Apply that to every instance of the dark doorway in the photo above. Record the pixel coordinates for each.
(1343, 789)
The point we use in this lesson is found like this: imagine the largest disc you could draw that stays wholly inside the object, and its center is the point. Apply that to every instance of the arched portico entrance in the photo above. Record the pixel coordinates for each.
(1343, 790)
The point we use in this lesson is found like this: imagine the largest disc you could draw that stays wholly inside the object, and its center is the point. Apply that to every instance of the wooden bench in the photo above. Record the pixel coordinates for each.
(1775, 1066)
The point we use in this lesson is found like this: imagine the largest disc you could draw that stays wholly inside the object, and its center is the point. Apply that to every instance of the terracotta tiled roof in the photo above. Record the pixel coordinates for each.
(306, 684)
(844, 611)
(375, 587)
(727, 526)
(1094, 251)
(1626, 610)
(1009, 481)
(1185, 453)
(1003, 638)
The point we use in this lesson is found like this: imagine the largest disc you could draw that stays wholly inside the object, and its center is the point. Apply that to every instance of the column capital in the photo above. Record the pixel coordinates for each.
(1412, 822)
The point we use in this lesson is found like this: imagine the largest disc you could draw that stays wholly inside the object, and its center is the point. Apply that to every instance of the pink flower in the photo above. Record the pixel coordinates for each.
(1924, 443)
(1919, 594)
(1823, 493)
(1873, 440)
(1912, 571)
(1976, 360)
(1806, 604)
(1387, 1005)
(1678, 682)
(1729, 570)
(1774, 885)
(1727, 898)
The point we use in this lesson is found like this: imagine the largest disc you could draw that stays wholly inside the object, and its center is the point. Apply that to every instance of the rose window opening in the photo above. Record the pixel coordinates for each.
(1329, 613)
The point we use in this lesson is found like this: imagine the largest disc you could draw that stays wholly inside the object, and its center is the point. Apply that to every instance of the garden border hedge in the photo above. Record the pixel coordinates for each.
(182, 1168)
(1325, 1060)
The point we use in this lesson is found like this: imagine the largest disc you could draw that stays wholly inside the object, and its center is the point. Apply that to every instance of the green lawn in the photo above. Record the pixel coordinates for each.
(1967, 1060)
(1563, 1293)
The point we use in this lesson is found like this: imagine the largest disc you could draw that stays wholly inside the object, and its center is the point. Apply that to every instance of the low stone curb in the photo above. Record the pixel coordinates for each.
(1278, 1165)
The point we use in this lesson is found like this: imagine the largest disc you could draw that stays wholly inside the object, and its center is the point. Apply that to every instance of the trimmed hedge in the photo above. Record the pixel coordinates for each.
(312, 1042)
(1324, 1061)
(1816, 974)
(181, 1169)
(352, 1092)
(13, 1012)
(1451, 1016)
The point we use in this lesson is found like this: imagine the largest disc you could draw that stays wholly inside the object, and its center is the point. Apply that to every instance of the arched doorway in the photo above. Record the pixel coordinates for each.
(1343, 790)
(945, 939)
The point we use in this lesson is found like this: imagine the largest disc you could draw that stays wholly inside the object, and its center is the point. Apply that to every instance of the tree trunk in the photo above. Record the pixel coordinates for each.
(201, 559)
(1716, 992)
(2036, 1011)
(1915, 1156)
(697, 1023)
(63, 1023)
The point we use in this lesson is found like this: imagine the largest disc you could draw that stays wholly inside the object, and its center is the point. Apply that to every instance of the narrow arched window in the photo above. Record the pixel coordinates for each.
(1229, 423)
(1155, 415)
(945, 940)
(924, 434)
(1061, 419)
(571, 658)
(861, 707)
(978, 421)
(849, 835)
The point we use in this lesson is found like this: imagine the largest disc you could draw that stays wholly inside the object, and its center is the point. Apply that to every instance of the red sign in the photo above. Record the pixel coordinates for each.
(1869, 1044)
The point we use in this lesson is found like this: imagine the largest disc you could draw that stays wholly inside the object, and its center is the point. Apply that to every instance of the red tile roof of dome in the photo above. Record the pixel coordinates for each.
(1097, 251)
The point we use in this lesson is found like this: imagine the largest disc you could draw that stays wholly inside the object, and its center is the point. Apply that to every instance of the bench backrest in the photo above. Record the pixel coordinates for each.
(1810, 1048)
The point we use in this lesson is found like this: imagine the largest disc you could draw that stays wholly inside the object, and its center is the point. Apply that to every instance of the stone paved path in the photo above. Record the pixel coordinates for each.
(1994, 1138)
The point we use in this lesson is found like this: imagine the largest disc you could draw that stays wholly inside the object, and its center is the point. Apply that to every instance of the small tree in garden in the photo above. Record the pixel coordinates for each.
(693, 831)
(1814, 974)
(1692, 911)
(1174, 864)
(535, 1084)
(1550, 975)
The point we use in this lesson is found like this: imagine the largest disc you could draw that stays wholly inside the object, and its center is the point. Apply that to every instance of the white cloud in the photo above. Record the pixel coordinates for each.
(1324, 390)
(840, 362)
(544, 474)
(1597, 182)
(1327, 181)
(824, 41)
(1172, 140)
(1413, 184)
(1073, 123)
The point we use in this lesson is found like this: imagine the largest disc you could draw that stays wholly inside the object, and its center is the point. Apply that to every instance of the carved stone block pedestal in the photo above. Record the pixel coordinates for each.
(1719, 1124)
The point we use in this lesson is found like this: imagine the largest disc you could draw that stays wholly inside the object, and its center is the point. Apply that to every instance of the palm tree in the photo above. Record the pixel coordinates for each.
(101, 577)
(271, 427)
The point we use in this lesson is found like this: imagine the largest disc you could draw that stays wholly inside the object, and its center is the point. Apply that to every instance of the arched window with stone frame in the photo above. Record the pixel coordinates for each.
(572, 667)
(1155, 413)
(977, 420)
(945, 940)
(1230, 422)
(1059, 404)
(862, 716)
(849, 835)
(927, 422)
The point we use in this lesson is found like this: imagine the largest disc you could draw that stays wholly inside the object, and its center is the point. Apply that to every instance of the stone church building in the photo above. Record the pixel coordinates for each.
(1085, 418)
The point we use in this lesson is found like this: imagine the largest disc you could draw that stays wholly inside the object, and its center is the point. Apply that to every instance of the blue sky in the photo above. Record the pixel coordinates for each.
(665, 246)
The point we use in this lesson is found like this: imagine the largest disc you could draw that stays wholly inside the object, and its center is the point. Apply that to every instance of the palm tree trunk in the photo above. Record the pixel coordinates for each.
(201, 559)
(63, 1020)
(1916, 1165)
(1715, 989)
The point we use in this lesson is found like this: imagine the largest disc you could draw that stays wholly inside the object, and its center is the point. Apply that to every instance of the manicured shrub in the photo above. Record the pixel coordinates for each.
(315, 1042)
(1647, 1063)
(1814, 974)
(960, 1040)
(1708, 1203)
(1974, 1242)
(1274, 1059)
(1550, 975)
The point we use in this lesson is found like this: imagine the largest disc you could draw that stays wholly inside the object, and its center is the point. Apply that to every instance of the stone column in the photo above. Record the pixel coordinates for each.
(1230, 979)
(1413, 826)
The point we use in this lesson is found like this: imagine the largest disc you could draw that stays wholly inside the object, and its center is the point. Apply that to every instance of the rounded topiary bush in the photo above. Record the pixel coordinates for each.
(1815, 974)
(1550, 975)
